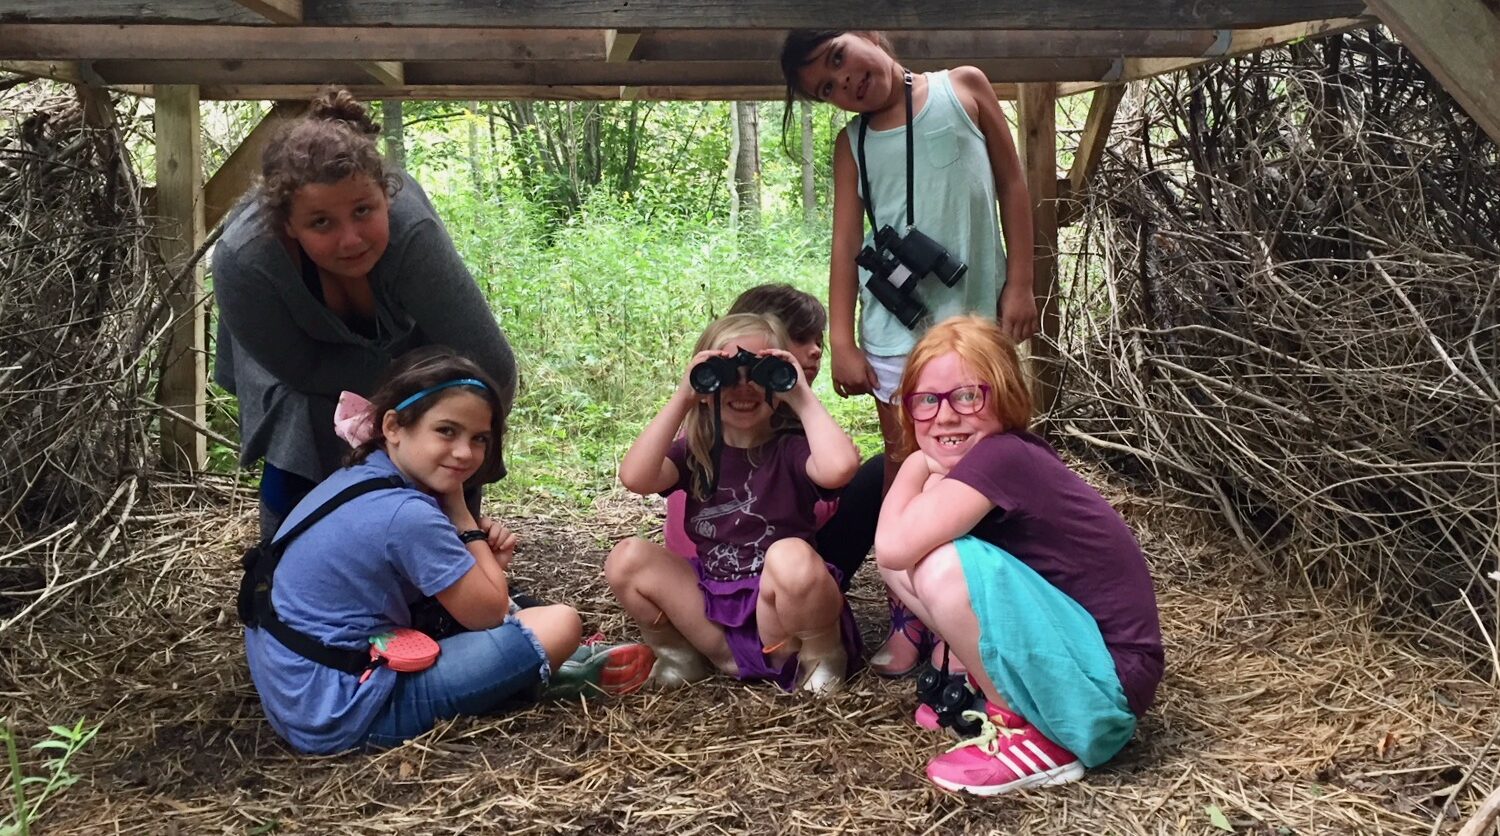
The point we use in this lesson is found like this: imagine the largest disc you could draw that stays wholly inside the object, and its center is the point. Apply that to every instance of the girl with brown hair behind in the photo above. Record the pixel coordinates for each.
(329, 269)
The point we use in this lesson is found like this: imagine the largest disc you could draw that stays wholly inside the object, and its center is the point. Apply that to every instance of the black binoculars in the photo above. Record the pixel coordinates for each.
(896, 261)
(772, 374)
(949, 695)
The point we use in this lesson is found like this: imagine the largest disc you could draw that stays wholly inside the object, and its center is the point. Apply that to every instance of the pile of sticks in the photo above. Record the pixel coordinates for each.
(80, 319)
(1286, 309)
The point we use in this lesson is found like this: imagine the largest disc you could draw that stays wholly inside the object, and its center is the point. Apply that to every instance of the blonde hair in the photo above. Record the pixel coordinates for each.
(699, 425)
(985, 351)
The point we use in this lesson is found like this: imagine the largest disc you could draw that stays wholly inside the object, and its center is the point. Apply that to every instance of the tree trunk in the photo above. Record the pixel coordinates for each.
(476, 168)
(392, 130)
(745, 150)
(809, 193)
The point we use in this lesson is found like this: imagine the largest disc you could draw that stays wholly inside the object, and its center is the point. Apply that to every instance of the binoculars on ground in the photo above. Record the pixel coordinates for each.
(770, 373)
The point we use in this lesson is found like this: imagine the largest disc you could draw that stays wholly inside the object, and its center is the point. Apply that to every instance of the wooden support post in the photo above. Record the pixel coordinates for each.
(619, 44)
(276, 11)
(1090, 148)
(1037, 112)
(1458, 41)
(237, 173)
(179, 205)
(389, 73)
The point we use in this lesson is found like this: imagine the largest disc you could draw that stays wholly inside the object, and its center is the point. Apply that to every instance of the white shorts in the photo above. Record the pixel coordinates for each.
(887, 375)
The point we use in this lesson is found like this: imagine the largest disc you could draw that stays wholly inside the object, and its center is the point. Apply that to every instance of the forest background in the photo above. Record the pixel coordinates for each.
(605, 235)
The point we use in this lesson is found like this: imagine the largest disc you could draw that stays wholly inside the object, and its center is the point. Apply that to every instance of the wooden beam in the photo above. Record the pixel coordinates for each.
(236, 174)
(574, 73)
(619, 44)
(694, 14)
(524, 92)
(276, 11)
(1240, 43)
(179, 207)
(388, 73)
(67, 71)
(1458, 41)
(1037, 112)
(155, 42)
(1090, 148)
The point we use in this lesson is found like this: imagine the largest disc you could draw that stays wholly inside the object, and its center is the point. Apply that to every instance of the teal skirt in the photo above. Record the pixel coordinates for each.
(1045, 654)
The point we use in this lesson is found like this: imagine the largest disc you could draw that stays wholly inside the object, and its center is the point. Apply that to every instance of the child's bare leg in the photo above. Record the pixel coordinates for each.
(942, 594)
(799, 610)
(557, 627)
(659, 590)
(890, 433)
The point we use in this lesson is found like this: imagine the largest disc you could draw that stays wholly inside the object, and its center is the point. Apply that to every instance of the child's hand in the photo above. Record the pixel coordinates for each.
(1018, 316)
(501, 539)
(852, 374)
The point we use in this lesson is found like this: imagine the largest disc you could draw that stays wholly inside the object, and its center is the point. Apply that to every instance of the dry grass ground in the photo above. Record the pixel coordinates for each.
(1283, 712)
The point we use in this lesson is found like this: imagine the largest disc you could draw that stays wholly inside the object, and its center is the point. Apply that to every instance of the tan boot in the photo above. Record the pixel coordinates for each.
(821, 661)
(678, 663)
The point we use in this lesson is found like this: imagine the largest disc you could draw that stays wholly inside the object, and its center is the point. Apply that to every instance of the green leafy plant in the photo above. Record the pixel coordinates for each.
(32, 792)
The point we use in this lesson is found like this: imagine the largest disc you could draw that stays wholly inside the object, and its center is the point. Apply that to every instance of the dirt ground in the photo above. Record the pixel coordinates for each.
(1282, 712)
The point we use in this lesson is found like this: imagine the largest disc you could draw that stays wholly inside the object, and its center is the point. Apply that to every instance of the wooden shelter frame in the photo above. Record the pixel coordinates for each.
(183, 51)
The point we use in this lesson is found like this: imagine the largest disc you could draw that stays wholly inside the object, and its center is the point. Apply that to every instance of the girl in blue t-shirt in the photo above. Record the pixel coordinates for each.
(1035, 581)
(757, 601)
(356, 574)
(963, 165)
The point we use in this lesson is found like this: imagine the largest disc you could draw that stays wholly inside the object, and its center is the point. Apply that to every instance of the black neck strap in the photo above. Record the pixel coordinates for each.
(864, 173)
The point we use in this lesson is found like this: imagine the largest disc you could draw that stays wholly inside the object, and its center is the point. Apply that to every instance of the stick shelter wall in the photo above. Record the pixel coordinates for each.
(183, 51)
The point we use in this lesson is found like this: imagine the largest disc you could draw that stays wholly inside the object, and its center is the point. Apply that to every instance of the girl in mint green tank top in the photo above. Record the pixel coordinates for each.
(964, 165)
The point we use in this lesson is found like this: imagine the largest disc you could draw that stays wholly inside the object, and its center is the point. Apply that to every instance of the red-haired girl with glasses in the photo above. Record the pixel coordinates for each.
(1031, 576)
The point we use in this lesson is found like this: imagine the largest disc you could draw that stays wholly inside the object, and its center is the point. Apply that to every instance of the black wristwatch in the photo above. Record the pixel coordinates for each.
(467, 537)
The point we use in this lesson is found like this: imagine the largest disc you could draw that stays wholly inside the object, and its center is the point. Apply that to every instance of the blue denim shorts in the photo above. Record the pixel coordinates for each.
(476, 673)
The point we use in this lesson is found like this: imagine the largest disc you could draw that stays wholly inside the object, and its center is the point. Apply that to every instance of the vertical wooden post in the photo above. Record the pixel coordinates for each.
(1037, 110)
(179, 203)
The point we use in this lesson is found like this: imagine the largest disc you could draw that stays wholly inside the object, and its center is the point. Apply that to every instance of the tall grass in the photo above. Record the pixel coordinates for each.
(602, 313)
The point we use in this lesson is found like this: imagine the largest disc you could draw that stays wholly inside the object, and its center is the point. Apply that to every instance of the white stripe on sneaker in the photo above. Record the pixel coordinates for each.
(1020, 755)
(1031, 744)
(1010, 764)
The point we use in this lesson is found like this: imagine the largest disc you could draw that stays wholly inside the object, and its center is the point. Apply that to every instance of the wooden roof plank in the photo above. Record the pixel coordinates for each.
(1241, 43)
(578, 73)
(537, 92)
(1458, 41)
(619, 44)
(388, 73)
(123, 42)
(691, 14)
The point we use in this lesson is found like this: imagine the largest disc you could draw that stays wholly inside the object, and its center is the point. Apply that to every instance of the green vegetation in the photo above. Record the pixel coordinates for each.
(30, 793)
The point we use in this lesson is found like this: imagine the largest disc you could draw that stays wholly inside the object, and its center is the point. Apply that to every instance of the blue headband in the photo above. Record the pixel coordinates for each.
(463, 381)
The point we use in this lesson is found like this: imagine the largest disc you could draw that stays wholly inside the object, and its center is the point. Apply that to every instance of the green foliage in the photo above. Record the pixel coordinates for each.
(603, 315)
(32, 792)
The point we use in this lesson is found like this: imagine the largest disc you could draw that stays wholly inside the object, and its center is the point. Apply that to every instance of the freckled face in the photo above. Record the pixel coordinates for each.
(948, 435)
(343, 227)
(851, 72)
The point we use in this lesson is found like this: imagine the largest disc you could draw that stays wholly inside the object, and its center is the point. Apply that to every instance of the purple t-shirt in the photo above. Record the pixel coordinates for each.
(1056, 523)
(755, 505)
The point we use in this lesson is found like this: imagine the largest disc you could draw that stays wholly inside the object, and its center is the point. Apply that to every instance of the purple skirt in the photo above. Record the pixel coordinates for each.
(731, 605)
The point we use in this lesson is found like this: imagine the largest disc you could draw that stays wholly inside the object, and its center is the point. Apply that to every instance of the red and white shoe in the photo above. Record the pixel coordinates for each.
(1003, 757)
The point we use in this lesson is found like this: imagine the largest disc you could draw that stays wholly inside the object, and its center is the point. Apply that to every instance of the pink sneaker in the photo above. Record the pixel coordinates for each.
(1003, 758)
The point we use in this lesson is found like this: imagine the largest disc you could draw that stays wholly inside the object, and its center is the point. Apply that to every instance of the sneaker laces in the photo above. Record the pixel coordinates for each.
(988, 739)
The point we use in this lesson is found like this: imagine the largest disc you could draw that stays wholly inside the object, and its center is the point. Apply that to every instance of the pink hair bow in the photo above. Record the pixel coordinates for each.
(352, 419)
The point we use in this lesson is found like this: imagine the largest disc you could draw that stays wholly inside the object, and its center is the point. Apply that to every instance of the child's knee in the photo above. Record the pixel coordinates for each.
(940, 575)
(792, 564)
(626, 560)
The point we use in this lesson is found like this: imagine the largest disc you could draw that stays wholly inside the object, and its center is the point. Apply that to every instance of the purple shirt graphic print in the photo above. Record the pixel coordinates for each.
(763, 496)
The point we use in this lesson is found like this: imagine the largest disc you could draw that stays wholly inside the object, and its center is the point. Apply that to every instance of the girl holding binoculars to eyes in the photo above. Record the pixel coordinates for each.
(1033, 578)
(758, 601)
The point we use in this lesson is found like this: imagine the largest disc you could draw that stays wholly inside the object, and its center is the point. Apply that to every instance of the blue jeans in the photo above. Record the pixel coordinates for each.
(477, 673)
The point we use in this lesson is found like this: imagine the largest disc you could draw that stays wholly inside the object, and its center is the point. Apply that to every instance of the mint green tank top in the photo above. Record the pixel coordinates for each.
(954, 187)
